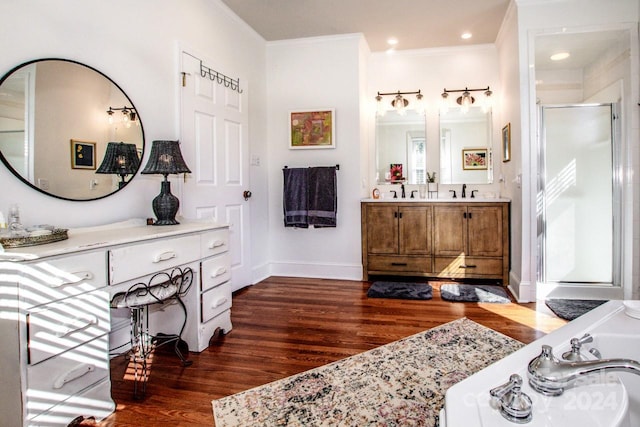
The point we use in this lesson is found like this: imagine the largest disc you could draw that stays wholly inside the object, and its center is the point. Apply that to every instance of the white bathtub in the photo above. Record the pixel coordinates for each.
(610, 400)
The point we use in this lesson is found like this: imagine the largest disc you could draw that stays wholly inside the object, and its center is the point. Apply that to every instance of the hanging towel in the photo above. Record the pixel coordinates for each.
(322, 196)
(295, 201)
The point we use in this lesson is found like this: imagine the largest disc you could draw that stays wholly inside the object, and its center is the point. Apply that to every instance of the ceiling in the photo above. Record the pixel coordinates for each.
(417, 24)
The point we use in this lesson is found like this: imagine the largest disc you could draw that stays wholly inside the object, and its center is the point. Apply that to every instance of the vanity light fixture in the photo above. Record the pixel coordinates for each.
(399, 103)
(559, 56)
(120, 159)
(466, 100)
(165, 158)
(129, 115)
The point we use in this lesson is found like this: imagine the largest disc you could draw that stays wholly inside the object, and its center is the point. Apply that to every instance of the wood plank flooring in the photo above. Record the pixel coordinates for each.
(283, 326)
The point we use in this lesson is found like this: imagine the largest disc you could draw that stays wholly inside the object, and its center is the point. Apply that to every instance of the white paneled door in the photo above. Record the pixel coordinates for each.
(214, 143)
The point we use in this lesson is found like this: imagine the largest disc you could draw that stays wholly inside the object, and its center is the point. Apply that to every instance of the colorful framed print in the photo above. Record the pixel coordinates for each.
(83, 154)
(312, 129)
(475, 158)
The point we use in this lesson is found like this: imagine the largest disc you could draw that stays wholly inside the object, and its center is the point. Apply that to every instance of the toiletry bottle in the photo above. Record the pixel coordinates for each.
(376, 193)
(3, 222)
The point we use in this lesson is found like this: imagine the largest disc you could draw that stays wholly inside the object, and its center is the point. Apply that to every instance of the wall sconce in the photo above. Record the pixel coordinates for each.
(165, 158)
(466, 100)
(129, 115)
(399, 103)
(120, 159)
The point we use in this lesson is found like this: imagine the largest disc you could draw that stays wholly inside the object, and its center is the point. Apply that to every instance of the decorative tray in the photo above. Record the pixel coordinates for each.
(56, 235)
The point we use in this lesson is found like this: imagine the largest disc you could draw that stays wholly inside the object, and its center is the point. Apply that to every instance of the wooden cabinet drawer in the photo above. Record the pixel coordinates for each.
(62, 325)
(214, 242)
(66, 374)
(389, 263)
(59, 278)
(462, 266)
(215, 301)
(215, 270)
(133, 261)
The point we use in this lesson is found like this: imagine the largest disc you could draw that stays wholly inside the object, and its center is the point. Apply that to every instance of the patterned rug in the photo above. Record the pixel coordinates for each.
(474, 293)
(400, 290)
(399, 384)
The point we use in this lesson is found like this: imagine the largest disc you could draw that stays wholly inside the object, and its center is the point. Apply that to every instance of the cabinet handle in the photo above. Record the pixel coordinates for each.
(219, 272)
(468, 266)
(73, 374)
(164, 256)
(399, 264)
(79, 276)
(220, 302)
(216, 244)
(71, 328)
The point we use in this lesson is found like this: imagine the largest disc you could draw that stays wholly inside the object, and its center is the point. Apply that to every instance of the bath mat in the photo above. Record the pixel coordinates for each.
(398, 384)
(474, 293)
(400, 290)
(570, 309)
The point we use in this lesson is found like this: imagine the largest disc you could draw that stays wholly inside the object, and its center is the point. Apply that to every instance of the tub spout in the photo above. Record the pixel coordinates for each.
(549, 376)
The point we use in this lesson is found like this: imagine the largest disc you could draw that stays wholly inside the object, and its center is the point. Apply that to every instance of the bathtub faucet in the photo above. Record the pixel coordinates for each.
(549, 376)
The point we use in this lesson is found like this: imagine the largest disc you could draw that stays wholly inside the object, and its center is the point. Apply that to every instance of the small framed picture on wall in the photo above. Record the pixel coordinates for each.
(83, 154)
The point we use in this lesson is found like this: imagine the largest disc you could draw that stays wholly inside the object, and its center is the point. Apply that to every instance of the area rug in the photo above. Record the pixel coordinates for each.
(570, 309)
(474, 293)
(398, 384)
(400, 290)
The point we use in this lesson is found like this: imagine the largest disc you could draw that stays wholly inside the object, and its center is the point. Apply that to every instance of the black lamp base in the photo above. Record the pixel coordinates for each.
(165, 205)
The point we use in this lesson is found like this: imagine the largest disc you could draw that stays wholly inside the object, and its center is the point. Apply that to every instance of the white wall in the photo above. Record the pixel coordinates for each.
(304, 74)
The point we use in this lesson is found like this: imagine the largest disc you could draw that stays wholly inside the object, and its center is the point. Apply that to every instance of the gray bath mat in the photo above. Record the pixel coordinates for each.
(474, 293)
(400, 290)
(570, 309)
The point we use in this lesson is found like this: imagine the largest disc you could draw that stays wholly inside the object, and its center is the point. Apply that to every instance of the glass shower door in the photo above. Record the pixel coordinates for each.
(577, 195)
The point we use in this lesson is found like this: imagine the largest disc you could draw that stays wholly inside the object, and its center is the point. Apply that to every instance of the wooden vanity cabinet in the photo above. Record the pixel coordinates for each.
(436, 239)
(397, 239)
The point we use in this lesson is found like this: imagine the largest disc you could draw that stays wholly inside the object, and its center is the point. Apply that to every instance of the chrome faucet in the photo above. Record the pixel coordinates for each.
(464, 191)
(549, 376)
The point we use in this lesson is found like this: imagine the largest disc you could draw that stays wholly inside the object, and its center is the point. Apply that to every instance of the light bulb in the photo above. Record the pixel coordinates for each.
(444, 103)
(399, 104)
(380, 110)
(420, 103)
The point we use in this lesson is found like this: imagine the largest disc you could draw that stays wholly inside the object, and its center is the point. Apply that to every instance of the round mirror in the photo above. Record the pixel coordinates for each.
(67, 130)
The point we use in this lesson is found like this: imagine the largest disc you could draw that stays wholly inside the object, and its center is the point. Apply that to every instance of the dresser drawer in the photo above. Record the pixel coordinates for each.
(66, 374)
(214, 242)
(59, 278)
(131, 262)
(215, 301)
(62, 325)
(215, 271)
(468, 267)
(399, 264)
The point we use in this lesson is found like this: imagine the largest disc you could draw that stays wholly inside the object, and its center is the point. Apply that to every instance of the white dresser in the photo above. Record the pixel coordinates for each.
(55, 318)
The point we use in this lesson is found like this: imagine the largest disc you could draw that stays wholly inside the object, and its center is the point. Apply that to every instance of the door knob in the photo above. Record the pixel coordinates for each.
(246, 194)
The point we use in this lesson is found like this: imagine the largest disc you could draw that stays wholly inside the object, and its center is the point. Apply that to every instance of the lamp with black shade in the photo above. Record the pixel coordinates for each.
(165, 158)
(120, 159)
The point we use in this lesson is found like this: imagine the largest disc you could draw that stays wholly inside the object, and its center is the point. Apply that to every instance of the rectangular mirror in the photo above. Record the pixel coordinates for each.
(401, 150)
(465, 146)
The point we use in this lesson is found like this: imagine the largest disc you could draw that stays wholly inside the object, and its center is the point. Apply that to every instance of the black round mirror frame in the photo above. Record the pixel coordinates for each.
(142, 137)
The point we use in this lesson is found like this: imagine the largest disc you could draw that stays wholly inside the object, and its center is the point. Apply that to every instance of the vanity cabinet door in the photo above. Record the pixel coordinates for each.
(450, 230)
(485, 231)
(382, 229)
(415, 230)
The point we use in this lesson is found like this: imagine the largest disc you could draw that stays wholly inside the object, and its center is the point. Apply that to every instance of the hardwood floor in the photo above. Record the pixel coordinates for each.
(283, 326)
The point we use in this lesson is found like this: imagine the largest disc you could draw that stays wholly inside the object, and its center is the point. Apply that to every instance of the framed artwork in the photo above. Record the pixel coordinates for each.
(475, 158)
(312, 129)
(506, 143)
(83, 154)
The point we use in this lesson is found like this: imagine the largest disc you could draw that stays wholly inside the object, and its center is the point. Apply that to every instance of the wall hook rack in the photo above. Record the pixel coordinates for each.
(216, 76)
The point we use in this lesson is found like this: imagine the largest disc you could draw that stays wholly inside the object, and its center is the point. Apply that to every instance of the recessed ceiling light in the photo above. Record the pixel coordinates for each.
(559, 56)
(392, 41)
(466, 36)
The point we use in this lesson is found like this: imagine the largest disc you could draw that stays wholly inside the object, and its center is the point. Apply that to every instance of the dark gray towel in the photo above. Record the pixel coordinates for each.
(322, 196)
(295, 194)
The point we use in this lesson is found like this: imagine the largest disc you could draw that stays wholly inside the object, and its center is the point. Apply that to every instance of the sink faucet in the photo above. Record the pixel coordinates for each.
(549, 376)
(402, 190)
(464, 191)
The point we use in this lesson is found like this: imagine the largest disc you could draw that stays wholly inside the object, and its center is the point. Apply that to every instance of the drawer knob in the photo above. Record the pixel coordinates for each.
(216, 244)
(164, 256)
(468, 266)
(219, 272)
(76, 325)
(73, 374)
(78, 277)
(219, 302)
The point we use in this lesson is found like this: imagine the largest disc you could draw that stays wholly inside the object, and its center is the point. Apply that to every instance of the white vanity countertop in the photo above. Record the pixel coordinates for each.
(81, 239)
(442, 200)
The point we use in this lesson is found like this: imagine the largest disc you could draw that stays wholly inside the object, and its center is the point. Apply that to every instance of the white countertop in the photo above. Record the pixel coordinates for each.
(442, 200)
(81, 239)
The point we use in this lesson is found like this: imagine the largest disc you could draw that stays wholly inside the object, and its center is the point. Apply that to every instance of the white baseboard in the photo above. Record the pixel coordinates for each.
(323, 271)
